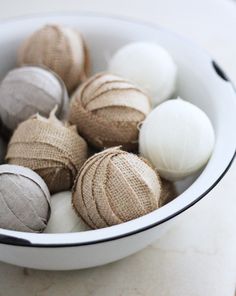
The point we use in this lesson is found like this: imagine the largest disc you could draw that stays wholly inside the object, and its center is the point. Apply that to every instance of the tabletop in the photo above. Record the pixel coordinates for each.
(197, 257)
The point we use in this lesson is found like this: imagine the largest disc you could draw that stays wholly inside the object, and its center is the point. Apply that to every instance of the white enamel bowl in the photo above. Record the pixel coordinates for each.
(200, 81)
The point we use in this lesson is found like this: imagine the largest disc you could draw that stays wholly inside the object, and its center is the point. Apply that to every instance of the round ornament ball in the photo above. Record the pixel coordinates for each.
(107, 110)
(115, 186)
(60, 48)
(63, 217)
(177, 138)
(25, 200)
(149, 65)
(49, 147)
(27, 90)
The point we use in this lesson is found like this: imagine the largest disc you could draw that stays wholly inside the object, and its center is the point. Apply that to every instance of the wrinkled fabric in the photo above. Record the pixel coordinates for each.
(24, 199)
(54, 151)
(115, 186)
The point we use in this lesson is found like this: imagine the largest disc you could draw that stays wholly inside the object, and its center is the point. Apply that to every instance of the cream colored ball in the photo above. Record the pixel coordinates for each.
(63, 217)
(178, 138)
(149, 65)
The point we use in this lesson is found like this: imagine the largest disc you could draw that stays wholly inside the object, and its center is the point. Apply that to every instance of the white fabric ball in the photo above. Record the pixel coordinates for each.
(149, 65)
(178, 138)
(63, 217)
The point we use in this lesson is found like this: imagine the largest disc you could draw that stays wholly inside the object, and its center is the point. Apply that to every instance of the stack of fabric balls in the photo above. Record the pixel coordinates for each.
(91, 151)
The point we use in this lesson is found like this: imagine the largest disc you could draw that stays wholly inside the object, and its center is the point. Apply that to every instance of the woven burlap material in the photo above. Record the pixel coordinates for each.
(24, 200)
(59, 48)
(115, 186)
(107, 111)
(28, 90)
(168, 192)
(54, 151)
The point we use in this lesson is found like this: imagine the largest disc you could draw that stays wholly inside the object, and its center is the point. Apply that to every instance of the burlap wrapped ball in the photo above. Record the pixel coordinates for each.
(168, 192)
(107, 110)
(54, 150)
(63, 217)
(28, 90)
(25, 199)
(61, 49)
(115, 186)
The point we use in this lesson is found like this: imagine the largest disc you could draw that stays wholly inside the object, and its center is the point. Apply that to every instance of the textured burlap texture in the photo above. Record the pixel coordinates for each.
(168, 192)
(107, 111)
(28, 90)
(115, 186)
(59, 48)
(24, 199)
(168, 188)
(56, 152)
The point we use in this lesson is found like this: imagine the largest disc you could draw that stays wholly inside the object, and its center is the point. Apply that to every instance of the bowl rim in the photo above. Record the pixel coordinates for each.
(9, 237)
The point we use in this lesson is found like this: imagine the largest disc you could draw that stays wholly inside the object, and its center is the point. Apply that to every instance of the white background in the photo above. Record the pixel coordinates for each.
(198, 256)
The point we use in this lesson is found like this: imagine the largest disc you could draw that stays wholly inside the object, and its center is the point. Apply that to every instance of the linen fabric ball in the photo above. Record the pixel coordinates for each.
(61, 49)
(24, 200)
(149, 65)
(63, 217)
(107, 110)
(178, 138)
(28, 90)
(115, 186)
(54, 150)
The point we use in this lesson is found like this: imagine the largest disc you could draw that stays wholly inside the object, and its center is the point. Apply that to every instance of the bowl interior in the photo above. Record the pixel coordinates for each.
(198, 82)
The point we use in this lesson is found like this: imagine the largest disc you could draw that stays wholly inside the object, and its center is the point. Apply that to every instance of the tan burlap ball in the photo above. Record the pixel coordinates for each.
(115, 186)
(107, 111)
(55, 151)
(61, 49)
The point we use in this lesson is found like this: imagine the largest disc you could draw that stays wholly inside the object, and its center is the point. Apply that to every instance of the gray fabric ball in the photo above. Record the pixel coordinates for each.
(28, 90)
(24, 199)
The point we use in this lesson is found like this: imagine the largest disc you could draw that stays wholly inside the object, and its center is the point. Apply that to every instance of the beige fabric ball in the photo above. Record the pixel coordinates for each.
(107, 110)
(61, 49)
(54, 150)
(27, 90)
(63, 217)
(24, 202)
(115, 186)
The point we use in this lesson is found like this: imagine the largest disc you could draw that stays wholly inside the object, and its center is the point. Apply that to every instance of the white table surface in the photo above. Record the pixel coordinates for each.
(198, 256)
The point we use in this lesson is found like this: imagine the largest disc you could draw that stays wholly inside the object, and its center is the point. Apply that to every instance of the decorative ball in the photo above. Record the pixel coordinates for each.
(54, 150)
(63, 216)
(107, 110)
(168, 192)
(61, 49)
(24, 203)
(178, 138)
(149, 65)
(3, 148)
(115, 186)
(28, 90)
